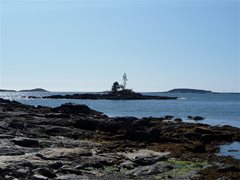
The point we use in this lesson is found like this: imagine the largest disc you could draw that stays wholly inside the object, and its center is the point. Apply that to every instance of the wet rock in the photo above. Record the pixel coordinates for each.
(72, 177)
(26, 163)
(151, 170)
(196, 118)
(4, 125)
(229, 168)
(155, 132)
(10, 151)
(128, 165)
(4, 172)
(16, 125)
(143, 161)
(178, 120)
(70, 108)
(192, 135)
(203, 130)
(127, 118)
(233, 150)
(224, 178)
(196, 147)
(5, 136)
(22, 172)
(45, 172)
(65, 170)
(58, 130)
(228, 136)
(138, 135)
(55, 165)
(57, 115)
(168, 117)
(25, 142)
(39, 177)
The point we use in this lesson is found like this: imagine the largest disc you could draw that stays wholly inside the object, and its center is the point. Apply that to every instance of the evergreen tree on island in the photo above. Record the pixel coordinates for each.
(115, 87)
(124, 81)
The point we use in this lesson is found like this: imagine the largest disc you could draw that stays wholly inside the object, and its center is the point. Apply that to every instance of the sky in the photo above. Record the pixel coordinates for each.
(86, 45)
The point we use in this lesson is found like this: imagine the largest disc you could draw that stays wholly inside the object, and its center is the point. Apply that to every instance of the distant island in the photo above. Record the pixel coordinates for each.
(186, 90)
(34, 90)
(27, 90)
(6, 90)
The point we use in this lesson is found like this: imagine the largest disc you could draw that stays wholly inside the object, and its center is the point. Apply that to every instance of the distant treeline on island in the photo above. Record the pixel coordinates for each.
(186, 90)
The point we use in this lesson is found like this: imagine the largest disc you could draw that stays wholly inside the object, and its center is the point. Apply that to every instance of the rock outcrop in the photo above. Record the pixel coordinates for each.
(76, 142)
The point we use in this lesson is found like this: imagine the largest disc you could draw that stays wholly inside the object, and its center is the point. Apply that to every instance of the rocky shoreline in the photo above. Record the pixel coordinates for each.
(76, 142)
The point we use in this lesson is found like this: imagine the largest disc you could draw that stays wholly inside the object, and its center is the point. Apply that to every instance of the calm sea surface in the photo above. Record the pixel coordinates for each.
(217, 109)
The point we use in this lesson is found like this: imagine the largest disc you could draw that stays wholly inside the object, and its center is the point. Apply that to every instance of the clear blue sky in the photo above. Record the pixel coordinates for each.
(84, 45)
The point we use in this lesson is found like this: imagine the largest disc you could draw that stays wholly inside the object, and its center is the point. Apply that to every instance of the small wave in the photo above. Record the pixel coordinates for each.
(182, 98)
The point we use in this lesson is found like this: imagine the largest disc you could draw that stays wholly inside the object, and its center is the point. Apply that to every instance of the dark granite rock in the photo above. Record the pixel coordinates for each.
(196, 147)
(70, 108)
(203, 130)
(55, 165)
(10, 151)
(16, 125)
(196, 118)
(25, 142)
(178, 120)
(229, 168)
(168, 117)
(227, 136)
(45, 172)
(144, 161)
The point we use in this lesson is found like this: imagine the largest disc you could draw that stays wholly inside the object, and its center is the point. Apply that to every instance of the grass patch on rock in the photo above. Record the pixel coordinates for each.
(183, 169)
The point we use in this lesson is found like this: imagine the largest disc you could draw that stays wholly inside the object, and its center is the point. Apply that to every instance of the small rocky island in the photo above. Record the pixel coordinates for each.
(120, 95)
(74, 142)
(118, 92)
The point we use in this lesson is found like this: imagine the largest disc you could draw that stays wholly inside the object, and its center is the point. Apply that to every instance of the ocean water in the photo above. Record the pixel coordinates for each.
(217, 109)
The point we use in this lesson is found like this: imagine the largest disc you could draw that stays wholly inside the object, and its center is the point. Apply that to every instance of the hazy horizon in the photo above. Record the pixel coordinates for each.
(110, 90)
(85, 45)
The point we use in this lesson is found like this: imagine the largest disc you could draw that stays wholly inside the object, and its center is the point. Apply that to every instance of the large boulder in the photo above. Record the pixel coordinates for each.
(74, 109)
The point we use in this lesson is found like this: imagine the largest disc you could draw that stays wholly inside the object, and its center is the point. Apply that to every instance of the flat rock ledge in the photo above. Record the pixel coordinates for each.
(75, 142)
